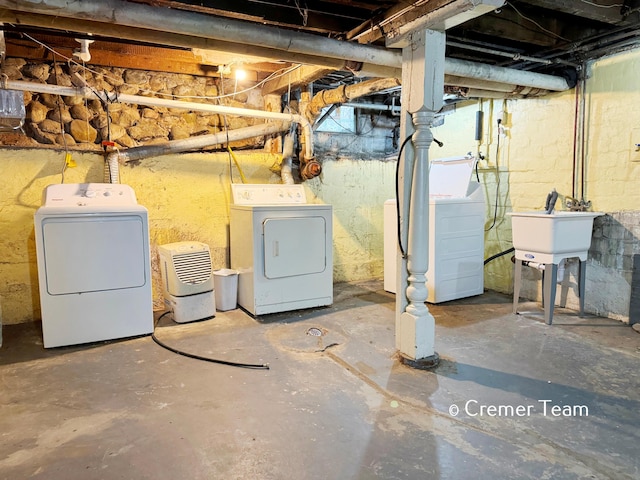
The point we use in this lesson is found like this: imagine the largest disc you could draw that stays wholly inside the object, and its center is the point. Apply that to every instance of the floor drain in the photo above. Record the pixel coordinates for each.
(314, 332)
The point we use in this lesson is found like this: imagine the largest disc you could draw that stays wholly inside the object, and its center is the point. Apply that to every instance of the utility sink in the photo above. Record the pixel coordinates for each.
(548, 238)
(542, 240)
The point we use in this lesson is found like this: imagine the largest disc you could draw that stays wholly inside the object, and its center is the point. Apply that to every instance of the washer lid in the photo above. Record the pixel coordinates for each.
(449, 177)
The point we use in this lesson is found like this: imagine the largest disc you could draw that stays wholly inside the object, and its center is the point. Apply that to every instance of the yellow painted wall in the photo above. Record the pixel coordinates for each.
(536, 151)
(357, 190)
(188, 198)
(613, 161)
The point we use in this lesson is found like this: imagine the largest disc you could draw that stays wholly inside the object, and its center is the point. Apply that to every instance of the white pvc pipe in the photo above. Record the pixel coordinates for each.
(162, 102)
(199, 25)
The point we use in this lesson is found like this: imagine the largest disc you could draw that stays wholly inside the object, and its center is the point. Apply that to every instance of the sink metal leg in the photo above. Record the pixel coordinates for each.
(582, 276)
(517, 280)
(549, 290)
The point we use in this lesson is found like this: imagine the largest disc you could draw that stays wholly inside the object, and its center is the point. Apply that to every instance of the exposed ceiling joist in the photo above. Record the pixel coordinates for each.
(447, 16)
(313, 15)
(121, 12)
(134, 34)
(607, 11)
(540, 36)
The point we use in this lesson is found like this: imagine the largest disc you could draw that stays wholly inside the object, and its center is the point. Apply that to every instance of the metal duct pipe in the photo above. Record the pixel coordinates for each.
(464, 68)
(195, 143)
(197, 25)
(479, 93)
(111, 170)
(162, 102)
(499, 53)
(455, 81)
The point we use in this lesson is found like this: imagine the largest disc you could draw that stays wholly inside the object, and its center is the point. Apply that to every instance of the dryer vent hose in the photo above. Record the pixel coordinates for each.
(111, 169)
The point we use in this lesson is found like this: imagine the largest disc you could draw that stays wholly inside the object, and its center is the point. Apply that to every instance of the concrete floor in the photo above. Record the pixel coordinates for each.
(339, 406)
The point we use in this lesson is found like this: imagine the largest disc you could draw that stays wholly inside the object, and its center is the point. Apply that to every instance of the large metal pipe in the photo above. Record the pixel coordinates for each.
(236, 32)
(464, 68)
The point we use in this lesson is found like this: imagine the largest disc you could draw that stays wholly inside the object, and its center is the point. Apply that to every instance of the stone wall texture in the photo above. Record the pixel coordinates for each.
(74, 122)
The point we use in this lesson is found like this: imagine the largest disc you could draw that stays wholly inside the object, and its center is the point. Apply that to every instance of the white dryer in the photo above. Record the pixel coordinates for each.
(282, 249)
(94, 271)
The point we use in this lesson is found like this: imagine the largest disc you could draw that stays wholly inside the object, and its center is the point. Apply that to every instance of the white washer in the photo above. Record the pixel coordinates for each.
(94, 272)
(282, 249)
(456, 233)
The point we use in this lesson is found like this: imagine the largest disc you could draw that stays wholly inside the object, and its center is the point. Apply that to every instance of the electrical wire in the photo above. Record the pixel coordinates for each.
(62, 132)
(399, 232)
(495, 210)
(602, 6)
(537, 24)
(252, 366)
(226, 129)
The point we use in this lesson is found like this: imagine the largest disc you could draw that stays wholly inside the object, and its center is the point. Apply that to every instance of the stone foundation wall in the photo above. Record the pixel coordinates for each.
(79, 123)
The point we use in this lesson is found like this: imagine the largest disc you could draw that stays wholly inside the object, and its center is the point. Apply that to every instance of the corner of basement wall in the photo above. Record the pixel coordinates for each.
(536, 155)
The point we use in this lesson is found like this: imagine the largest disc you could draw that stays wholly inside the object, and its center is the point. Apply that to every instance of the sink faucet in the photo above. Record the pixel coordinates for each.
(577, 205)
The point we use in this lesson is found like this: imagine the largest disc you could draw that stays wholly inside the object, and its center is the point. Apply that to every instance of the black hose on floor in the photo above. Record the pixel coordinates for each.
(254, 366)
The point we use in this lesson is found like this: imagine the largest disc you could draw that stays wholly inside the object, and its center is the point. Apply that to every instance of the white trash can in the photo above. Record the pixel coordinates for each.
(225, 284)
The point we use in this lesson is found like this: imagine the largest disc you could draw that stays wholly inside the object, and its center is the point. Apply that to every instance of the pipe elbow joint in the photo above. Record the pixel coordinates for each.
(310, 168)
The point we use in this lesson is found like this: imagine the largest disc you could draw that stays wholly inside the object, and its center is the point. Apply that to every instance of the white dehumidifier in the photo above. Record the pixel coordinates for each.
(187, 281)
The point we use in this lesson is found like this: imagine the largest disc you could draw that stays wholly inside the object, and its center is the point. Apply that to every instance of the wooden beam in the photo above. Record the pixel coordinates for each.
(300, 77)
(513, 27)
(396, 16)
(111, 54)
(156, 37)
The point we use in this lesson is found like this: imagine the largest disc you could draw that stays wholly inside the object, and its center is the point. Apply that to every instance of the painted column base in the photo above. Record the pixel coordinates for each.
(417, 336)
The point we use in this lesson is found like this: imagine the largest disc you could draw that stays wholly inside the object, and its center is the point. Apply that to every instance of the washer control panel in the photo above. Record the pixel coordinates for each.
(88, 194)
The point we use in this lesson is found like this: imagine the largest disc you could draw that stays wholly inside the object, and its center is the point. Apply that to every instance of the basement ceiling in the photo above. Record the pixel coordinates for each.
(544, 36)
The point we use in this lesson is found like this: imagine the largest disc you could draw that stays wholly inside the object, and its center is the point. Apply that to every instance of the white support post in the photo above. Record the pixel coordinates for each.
(423, 83)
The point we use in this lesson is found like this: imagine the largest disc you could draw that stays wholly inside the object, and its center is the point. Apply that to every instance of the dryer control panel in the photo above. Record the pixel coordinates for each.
(88, 194)
(268, 194)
